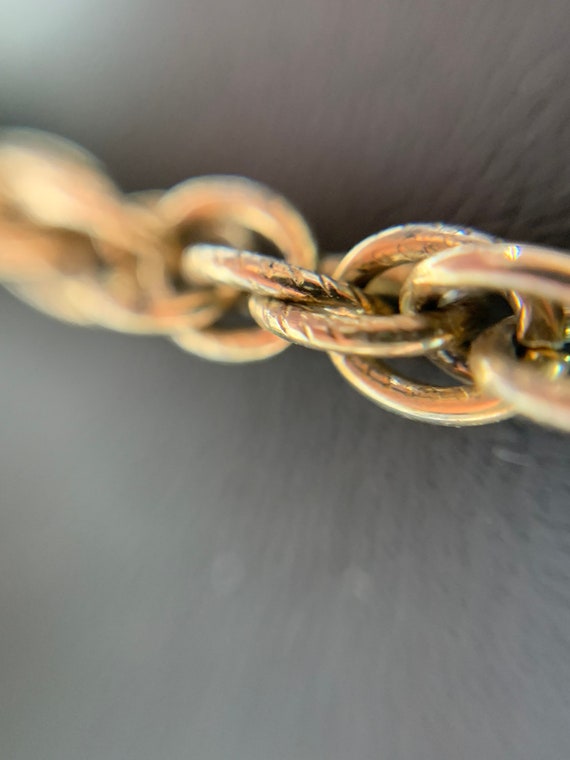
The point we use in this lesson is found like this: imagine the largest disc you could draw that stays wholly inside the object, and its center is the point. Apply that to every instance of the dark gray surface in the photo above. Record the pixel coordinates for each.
(253, 562)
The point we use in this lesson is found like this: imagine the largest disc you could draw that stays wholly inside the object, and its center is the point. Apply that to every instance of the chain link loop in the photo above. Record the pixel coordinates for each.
(185, 264)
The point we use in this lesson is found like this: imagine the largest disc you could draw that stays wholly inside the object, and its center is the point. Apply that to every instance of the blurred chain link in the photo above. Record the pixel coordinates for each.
(493, 315)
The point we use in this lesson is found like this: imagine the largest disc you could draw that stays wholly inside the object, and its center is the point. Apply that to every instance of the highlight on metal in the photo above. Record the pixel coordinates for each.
(229, 271)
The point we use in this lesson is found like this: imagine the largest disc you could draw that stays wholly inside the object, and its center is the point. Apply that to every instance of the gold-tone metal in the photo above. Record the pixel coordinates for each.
(29, 254)
(351, 332)
(329, 262)
(248, 206)
(453, 407)
(396, 252)
(404, 244)
(127, 307)
(55, 184)
(465, 405)
(132, 296)
(230, 346)
(62, 220)
(540, 273)
(185, 263)
(268, 276)
(537, 388)
(535, 281)
(51, 298)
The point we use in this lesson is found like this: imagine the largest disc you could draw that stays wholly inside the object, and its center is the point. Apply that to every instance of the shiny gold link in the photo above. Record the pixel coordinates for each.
(253, 208)
(241, 204)
(400, 248)
(464, 405)
(538, 283)
(351, 332)
(539, 274)
(538, 389)
(404, 244)
(453, 407)
(176, 263)
(268, 276)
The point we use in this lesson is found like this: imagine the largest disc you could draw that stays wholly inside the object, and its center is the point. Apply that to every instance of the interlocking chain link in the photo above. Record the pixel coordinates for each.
(228, 270)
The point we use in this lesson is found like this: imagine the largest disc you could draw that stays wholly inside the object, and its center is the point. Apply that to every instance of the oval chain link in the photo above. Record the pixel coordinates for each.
(184, 264)
(444, 405)
(249, 208)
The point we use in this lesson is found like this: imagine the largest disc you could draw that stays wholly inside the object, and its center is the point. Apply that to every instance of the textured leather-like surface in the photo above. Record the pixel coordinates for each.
(253, 562)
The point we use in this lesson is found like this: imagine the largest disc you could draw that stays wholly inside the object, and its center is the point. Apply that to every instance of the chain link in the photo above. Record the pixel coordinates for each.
(228, 270)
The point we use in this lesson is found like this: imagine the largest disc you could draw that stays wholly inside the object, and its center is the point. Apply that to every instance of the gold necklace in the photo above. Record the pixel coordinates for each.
(183, 264)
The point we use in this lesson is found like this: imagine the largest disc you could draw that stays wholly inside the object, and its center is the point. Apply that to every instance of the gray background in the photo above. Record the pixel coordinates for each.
(253, 562)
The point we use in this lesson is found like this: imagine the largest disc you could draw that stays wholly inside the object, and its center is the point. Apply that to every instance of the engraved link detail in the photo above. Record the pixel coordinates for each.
(185, 264)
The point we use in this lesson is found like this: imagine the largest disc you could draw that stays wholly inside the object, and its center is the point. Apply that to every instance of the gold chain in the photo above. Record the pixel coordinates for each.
(494, 315)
